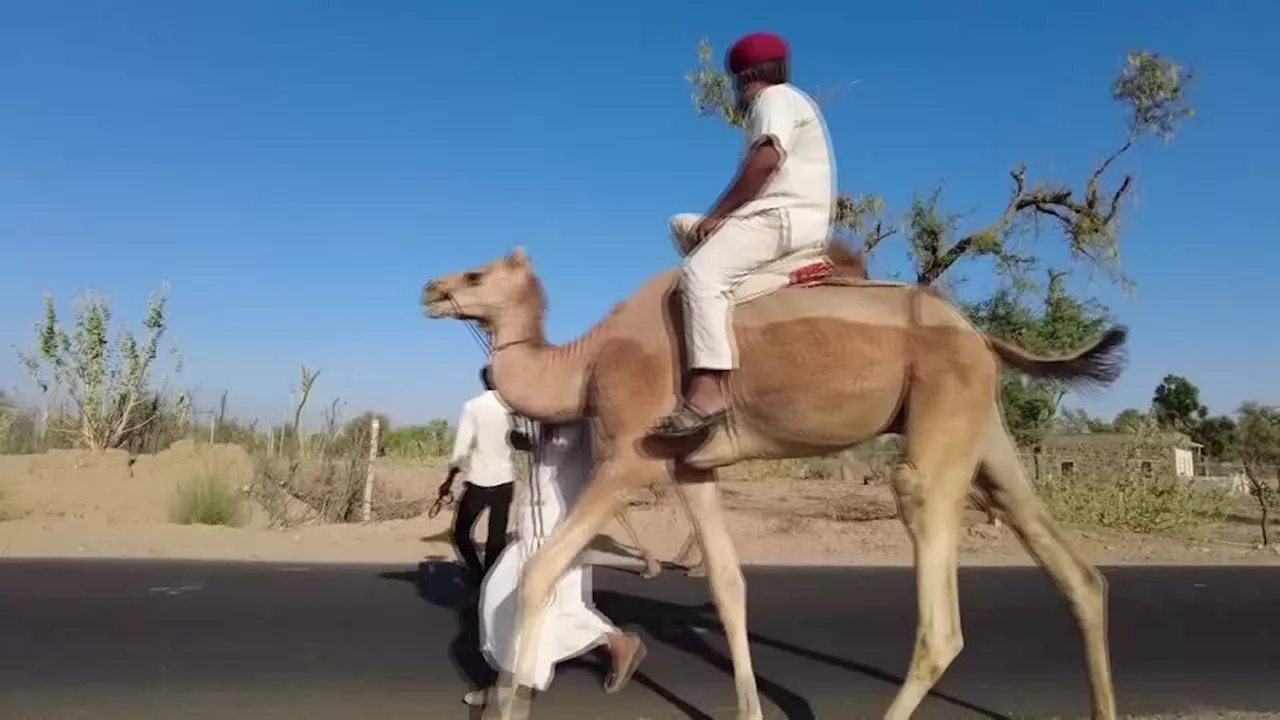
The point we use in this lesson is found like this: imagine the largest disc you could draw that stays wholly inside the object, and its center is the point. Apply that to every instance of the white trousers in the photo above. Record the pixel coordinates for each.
(571, 625)
(711, 270)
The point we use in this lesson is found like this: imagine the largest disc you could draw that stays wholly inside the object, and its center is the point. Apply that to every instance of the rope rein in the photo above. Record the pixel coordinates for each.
(531, 430)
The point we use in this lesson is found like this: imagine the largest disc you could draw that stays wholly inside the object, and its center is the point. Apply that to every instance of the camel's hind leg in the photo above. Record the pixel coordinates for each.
(728, 588)
(652, 568)
(1005, 483)
(931, 487)
(692, 546)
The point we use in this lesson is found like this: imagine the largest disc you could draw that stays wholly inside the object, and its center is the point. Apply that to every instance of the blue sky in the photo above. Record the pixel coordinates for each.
(296, 170)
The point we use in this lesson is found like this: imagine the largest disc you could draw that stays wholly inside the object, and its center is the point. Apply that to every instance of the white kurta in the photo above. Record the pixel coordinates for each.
(571, 625)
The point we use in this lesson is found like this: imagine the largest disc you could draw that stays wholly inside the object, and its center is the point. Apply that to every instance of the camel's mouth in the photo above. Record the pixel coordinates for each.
(439, 308)
(437, 302)
(444, 306)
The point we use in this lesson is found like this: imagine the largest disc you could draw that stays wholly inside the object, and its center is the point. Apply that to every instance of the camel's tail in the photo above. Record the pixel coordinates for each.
(1098, 364)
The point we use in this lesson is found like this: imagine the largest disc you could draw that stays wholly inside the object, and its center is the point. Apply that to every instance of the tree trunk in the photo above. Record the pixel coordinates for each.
(1265, 519)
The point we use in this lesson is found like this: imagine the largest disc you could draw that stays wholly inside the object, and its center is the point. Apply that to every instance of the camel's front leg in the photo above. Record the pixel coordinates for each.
(728, 588)
(593, 508)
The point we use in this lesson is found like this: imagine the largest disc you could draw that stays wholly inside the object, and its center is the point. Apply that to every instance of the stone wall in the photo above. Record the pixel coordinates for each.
(1106, 456)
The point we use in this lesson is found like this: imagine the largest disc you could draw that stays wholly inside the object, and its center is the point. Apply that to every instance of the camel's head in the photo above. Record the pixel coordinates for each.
(482, 293)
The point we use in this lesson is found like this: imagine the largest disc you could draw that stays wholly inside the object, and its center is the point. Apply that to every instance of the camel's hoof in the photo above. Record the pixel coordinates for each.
(509, 707)
(507, 701)
(651, 571)
(697, 571)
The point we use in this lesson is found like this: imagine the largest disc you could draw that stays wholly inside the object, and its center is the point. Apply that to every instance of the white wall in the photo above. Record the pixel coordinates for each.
(1183, 462)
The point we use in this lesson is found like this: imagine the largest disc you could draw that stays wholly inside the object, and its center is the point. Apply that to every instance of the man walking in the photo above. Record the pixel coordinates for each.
(482, 451)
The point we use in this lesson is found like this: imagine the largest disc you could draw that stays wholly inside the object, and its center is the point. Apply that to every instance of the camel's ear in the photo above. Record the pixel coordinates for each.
(518, 256)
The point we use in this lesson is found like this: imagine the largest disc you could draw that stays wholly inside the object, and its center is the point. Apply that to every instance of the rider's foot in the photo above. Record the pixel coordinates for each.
(704, 406)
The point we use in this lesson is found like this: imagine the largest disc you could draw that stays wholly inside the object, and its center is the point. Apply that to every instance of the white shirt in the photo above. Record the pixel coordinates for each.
(481, 446)
(805, 183)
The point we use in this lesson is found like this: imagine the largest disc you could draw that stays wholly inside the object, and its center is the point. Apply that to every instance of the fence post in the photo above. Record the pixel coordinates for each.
(367, 508)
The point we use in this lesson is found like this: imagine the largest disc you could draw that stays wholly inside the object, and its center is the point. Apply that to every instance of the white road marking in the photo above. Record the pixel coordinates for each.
(178, 590)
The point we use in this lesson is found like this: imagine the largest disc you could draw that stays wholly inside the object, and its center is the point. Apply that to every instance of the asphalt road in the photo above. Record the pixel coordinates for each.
(151, 639)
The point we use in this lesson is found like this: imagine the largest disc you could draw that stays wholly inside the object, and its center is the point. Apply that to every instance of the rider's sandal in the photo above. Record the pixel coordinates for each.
(688, 420)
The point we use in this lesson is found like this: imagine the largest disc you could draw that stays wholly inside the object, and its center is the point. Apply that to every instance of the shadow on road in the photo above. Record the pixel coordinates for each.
(442, 583)
(679, 625)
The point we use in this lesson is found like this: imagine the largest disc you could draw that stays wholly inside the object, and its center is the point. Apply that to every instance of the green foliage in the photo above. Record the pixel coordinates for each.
(1130, 420)
(207, 499)
(1176, 404)
(1217, 435)
(435, 439)
(106, 381)
(1155, 91)
(1134, 504)
(1064, 323)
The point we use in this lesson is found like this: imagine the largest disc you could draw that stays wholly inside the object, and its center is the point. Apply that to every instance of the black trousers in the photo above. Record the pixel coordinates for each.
(474, 500)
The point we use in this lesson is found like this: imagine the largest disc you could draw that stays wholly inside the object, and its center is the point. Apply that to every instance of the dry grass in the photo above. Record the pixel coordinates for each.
(208, 499)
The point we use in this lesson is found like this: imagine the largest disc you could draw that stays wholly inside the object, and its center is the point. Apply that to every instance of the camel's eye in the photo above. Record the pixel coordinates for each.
(472, 278)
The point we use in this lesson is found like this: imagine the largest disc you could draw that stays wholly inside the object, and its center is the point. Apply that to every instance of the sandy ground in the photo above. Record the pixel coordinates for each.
(77, 504)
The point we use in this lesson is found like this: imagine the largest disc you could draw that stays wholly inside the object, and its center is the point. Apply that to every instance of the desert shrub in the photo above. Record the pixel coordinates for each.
(207, 499)
(19, 427)
(1134, 503)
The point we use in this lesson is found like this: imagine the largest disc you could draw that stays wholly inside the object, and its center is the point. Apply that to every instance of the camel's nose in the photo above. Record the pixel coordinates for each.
(429, 289)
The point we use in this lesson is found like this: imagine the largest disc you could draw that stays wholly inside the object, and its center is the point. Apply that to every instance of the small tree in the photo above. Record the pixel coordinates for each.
(1258, 444)
(1130, 420)
(106, 382)
(1176, 404)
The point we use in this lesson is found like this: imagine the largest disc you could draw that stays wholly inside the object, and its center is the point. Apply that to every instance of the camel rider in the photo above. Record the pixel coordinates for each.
(779, 203)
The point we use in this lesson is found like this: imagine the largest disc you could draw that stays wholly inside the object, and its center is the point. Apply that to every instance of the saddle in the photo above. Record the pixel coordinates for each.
(800, 269)
(804, 268)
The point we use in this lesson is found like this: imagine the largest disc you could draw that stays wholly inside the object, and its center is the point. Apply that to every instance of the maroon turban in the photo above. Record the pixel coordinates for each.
(754, 49)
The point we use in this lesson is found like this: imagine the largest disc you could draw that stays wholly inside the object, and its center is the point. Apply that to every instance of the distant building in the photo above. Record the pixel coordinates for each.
(1095, 456)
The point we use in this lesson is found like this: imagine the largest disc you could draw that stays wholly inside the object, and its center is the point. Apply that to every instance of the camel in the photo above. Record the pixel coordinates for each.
(827, 359)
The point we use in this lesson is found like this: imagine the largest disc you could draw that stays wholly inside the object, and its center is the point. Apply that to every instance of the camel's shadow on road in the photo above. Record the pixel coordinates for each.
(681, 627)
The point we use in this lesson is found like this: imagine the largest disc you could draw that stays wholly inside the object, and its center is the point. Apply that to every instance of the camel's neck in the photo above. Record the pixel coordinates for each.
(538, 380)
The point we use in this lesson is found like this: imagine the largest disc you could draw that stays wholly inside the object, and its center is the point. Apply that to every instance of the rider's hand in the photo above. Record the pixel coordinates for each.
(705, 227)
